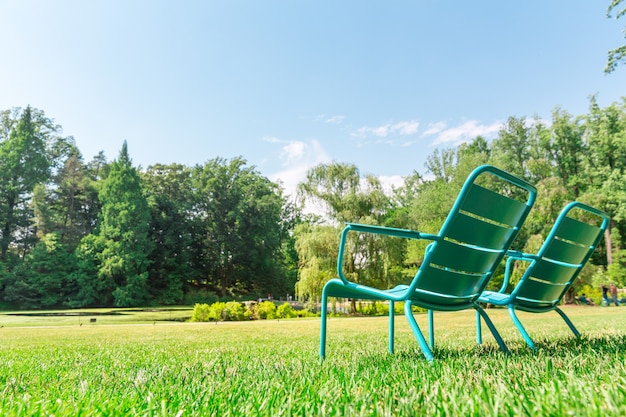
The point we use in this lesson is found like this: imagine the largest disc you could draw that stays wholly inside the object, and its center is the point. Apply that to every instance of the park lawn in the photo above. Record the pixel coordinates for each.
(96, 315)
(272, 368)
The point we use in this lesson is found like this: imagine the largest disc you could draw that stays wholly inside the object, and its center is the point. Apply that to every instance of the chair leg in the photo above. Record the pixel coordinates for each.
(521, 328)
(417, 332)
(568, 322)
(323, 326)
(492, 328)
(431, 329)
(479, 334)
(392, 317)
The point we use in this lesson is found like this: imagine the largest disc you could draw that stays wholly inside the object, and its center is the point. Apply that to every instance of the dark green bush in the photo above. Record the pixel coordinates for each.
(200, 296)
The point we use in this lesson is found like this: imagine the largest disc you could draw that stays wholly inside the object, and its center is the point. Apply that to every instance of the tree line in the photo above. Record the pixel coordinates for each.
(568, 158)
(106, 233)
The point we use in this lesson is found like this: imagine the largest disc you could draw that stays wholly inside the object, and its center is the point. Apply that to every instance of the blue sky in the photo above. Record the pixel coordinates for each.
(290, 84)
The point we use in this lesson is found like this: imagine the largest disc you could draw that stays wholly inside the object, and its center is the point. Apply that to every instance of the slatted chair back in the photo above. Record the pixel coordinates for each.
(478, 231)
(574, 237)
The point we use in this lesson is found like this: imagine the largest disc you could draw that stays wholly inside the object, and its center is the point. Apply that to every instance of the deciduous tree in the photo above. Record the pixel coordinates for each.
(24, 163)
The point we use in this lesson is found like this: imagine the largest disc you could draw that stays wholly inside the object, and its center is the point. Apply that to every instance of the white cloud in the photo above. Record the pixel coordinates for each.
(337, 120)
(403, 128)
(271, 139)
(407, 128)
(465, 132)
(434, 128)
(297, 157)
(381, 131)
(292, 152)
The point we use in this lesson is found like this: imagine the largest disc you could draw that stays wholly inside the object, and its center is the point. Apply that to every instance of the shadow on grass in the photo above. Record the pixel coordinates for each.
(564, 347)
(601, 345)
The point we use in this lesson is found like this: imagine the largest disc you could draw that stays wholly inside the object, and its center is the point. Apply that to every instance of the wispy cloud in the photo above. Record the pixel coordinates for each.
(271, 139)
(292, 153)
(403, 128)
(335, 120)
(406, 128)
(462, 133)
(434, 128)
(296, 158)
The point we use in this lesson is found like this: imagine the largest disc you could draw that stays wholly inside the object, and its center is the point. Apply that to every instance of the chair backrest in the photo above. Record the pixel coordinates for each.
(482, 224)
(567, 248)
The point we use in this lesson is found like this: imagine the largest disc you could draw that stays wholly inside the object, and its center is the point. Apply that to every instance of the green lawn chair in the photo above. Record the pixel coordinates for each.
(459, 261)
(551, 272)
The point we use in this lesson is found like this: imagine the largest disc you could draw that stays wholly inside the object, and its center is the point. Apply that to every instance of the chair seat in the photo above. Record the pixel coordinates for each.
(495, 298)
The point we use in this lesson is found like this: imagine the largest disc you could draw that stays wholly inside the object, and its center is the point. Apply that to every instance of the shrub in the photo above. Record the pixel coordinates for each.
(306, 313)
(595, 294)
(375, 308)
(234, 310)
(200, 296)
(285, 311)
(200, 313)
(266, 310)
(217, 311)
(381, 309)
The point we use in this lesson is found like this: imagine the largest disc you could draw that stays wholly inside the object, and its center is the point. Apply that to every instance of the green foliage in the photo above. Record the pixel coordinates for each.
(200, 296)
(285, 311)
(170, 198)
(24, 139)
(234, 311)
(173, 234)
(616, 272)
(592, 293)
(120, 245)
(217, 311)
(374, 308)
(240, 229)
(44, 279)
(201, 313)
(266, 310)
(616, 55)
(379, 308)
(220, 311)
(317, 248)
(347, 197)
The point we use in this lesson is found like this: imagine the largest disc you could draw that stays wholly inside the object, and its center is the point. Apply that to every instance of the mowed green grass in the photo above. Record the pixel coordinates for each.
(271, 368)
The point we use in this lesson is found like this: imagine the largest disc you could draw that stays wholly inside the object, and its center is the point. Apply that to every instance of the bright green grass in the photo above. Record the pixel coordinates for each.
(271, 368)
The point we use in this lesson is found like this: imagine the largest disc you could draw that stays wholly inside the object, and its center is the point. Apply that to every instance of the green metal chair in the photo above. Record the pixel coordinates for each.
(551, 272)
(459, 261)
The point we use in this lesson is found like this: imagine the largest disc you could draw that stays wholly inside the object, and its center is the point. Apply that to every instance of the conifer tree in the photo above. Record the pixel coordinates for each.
(120, 246)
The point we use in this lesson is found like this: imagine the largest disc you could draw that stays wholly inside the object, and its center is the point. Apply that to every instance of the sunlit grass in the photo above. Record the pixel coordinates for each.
(272, 368)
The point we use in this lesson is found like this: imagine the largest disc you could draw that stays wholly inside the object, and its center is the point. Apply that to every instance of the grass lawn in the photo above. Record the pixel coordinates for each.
(141, 363)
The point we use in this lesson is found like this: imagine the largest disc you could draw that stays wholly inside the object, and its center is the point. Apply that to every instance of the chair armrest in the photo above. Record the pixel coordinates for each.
(390, 231)
(381, 230)
(378, 230)
(514, 255)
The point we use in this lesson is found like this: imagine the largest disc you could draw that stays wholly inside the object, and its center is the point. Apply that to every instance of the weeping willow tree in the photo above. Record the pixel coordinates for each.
(346, 197)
